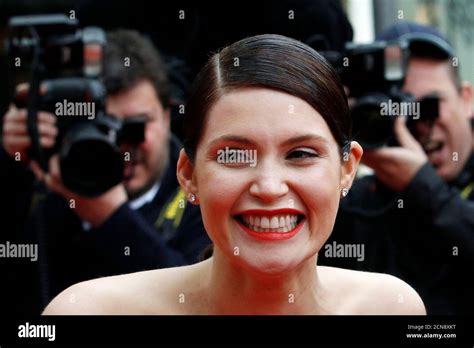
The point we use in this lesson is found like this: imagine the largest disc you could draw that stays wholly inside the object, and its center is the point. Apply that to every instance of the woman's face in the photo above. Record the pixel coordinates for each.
(276, 208)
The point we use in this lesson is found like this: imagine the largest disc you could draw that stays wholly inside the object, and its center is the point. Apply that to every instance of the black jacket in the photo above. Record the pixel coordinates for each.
(129, 241)
(424, 236)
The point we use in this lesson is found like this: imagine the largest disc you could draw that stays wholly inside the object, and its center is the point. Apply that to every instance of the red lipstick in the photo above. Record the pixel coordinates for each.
(269, 236)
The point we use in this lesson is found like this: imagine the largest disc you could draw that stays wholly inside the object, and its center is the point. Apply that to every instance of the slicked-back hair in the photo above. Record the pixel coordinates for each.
(269, 61)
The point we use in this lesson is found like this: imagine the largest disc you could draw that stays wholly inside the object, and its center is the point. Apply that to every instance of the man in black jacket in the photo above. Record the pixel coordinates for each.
(415, 216)
(143, 223)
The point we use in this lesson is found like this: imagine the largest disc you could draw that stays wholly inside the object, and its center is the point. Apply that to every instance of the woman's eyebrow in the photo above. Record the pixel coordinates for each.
(305, 137)
(233, 138)
(291, 141)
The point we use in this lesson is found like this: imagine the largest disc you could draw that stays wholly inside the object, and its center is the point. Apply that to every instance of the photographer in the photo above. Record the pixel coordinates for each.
(415, 216)
(141, 223)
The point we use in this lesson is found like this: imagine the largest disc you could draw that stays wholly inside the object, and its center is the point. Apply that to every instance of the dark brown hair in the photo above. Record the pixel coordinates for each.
(145, 64)
(270, 61)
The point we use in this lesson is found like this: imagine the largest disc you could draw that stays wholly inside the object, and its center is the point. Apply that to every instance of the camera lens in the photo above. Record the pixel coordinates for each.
(90, 163)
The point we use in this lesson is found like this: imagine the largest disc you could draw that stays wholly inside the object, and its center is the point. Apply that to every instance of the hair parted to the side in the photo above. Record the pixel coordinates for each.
(269, 61)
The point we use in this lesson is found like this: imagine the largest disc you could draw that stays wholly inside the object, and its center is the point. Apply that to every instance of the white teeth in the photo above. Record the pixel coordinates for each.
(276, 223)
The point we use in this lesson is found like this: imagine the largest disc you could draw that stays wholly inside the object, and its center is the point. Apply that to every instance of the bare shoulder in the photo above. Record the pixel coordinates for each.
(375, 293)
(148, 292)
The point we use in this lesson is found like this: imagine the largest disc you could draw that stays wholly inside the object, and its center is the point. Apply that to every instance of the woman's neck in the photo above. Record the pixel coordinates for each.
(232, 290)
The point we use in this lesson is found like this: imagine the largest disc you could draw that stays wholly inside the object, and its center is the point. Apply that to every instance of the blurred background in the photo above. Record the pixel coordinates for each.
(453, 18)
(207, 27)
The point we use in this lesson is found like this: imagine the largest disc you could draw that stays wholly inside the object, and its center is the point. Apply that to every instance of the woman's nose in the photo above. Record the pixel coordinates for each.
(269, 183)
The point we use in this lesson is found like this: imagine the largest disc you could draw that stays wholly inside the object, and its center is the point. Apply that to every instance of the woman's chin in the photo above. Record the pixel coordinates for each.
(267, 257)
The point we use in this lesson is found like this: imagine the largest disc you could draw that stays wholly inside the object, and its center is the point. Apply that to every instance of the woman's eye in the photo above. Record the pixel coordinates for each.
(302, 154)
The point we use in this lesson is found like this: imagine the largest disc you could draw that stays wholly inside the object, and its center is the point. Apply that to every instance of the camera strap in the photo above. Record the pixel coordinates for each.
(37, 214)
(37, 70)
(32, 117)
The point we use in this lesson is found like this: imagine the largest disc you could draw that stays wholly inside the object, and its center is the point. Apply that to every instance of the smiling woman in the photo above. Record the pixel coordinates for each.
(275, 97)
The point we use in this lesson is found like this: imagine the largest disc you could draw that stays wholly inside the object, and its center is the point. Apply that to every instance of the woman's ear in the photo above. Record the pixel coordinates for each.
(350, 163)
(185, 174)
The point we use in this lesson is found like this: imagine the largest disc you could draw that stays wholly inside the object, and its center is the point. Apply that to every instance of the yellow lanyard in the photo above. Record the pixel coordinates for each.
(173, 209)
(467, 190)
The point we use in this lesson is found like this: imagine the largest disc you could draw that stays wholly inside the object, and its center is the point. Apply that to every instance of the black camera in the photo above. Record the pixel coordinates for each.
(374, 75)
(64, 65)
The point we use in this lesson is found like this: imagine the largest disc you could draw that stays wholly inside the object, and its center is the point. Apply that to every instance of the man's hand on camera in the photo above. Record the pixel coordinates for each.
(93, 210)
(396, 166)
(15, 132)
